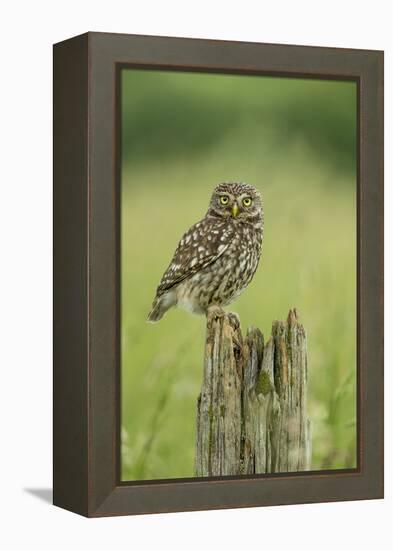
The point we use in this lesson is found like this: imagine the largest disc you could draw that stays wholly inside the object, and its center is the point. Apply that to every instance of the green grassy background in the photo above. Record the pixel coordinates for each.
(294, 139)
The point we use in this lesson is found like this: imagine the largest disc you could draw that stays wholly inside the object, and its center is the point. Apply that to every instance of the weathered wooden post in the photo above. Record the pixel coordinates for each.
(251, 413)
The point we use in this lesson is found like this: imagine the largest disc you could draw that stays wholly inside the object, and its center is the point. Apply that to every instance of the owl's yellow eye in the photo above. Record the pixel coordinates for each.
(224, 200)
(247, 201)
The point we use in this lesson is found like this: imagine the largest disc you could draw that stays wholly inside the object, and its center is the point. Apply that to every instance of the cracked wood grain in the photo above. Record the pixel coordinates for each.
(252, 409)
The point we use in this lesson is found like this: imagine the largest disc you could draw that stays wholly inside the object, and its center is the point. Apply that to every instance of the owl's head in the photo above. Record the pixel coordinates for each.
(239, 201)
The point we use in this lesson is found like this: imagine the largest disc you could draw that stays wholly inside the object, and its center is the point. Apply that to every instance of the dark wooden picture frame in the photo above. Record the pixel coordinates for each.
(86, 275)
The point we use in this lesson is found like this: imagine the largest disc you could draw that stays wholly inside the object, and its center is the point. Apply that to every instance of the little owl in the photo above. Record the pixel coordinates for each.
(217, 257)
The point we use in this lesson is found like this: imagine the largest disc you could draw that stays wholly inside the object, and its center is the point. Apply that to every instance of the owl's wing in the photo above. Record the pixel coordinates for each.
(200, 246)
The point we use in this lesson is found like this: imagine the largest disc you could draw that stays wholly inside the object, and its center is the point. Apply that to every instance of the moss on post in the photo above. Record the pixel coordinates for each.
(251, 414)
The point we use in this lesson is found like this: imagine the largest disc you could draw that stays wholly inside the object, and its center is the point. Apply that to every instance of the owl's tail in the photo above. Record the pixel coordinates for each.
(160, 306)
(156, 312)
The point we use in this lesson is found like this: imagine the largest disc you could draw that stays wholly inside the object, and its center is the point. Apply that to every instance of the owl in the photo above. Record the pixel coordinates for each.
(217, 257)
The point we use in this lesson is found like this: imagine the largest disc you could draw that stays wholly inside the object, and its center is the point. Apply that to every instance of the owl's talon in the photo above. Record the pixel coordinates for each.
(215, 312)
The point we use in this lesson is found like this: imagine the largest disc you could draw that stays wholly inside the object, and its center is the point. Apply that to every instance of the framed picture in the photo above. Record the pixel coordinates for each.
(218, 274)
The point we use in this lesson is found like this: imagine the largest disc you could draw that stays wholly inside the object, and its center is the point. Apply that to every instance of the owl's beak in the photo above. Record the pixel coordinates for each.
(235, 209)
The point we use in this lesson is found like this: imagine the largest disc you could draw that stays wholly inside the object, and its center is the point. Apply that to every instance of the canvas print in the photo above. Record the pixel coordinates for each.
(238, 274)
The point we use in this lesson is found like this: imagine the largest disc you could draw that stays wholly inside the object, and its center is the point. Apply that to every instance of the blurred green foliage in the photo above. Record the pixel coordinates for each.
(187, 114)
(295, 139)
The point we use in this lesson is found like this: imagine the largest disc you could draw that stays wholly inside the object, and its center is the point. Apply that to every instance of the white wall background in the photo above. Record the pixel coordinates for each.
(28, 30)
